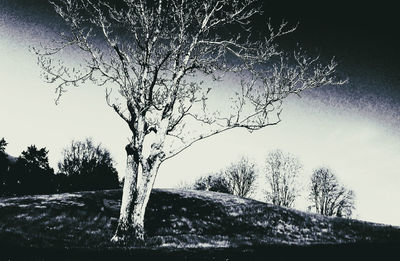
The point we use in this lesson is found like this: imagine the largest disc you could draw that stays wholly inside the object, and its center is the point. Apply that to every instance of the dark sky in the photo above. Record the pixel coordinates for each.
(362, 36)
(364, 39)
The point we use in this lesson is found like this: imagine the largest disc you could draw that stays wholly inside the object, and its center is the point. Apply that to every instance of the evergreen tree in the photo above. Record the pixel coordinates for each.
(4, 167)
(32, 173)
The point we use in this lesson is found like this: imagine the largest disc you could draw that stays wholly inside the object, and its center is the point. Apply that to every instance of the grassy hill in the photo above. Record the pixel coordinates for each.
(177, 222)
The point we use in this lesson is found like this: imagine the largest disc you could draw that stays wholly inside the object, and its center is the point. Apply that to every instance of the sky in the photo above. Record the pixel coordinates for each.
(353, 129)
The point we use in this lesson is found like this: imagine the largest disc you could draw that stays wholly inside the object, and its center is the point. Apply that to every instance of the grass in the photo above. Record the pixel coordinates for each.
(177, 222)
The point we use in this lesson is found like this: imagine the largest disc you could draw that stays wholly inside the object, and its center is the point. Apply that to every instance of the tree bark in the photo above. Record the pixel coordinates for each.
(129, 195)
(136, 192)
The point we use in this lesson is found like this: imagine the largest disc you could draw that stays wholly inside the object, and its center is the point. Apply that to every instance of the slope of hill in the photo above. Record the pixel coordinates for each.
(175, 220)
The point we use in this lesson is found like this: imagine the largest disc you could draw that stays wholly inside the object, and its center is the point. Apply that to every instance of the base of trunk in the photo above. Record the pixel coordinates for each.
(132, 233)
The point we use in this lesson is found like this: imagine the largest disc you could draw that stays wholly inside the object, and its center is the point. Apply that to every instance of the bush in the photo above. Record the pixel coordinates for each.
(86, 166)
(212, 182)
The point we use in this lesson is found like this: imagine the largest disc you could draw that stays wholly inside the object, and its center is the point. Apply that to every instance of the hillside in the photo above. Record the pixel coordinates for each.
(175, 220)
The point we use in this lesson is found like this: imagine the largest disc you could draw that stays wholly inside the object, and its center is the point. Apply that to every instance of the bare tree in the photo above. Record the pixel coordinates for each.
(282, 172)
(328, 196)
(153, 53)
(241, 177)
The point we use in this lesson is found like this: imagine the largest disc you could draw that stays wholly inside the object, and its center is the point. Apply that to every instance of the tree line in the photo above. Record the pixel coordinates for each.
(326, 195)
(84, 166)
(87, 166)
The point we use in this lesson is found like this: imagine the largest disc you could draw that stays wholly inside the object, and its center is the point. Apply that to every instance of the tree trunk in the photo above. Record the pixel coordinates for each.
(135, 196)
(129, 195)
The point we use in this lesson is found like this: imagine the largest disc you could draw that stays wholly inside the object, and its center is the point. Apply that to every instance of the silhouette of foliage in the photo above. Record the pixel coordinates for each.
(86, 166)
(4, 167)
(4, 162)
(212, 182)
(32, 174)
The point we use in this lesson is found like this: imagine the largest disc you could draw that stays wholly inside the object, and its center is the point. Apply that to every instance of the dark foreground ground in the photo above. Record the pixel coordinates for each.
(358, 251)
(184, 225)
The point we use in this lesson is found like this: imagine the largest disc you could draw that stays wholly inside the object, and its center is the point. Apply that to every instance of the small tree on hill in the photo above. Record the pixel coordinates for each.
(328, 196)
(155, 53)
(241, 177)
(87, 167)
(282, 173)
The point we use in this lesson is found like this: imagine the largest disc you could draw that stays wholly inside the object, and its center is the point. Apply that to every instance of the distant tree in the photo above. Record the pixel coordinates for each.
(184, 185)
(36, 157)
(328, 196)
(3, 145)
(4, 162)
(213, 182)
(4, 166)
(87, 166)
(32, 174)
(282, 172)
(241, 177)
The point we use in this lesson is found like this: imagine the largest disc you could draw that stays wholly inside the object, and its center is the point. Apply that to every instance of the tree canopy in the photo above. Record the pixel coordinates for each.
(153, 53)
